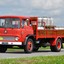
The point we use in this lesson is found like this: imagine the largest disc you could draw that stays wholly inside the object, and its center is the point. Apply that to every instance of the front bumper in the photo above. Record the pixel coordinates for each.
(10, 43)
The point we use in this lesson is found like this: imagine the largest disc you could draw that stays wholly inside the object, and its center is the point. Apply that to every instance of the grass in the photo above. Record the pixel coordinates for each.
(35, 60)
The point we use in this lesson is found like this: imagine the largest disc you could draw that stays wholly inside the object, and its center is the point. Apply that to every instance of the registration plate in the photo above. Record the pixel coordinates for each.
(4, 43)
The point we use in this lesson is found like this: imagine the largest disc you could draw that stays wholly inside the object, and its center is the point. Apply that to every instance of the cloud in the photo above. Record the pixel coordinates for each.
(47, 4)
(32, 7)
(39, 4)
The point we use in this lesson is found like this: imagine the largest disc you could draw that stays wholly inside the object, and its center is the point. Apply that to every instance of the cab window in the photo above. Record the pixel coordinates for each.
(25, 22)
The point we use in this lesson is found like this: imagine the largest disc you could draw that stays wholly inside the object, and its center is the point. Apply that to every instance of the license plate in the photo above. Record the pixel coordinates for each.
(4, 43)
(1, 38)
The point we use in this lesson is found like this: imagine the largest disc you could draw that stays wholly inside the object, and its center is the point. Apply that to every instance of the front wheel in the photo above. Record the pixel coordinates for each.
(3, 48)
(28, 48)
(57, 47)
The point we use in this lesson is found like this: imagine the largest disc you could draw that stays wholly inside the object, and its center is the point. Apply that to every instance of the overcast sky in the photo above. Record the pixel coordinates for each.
(47, 8)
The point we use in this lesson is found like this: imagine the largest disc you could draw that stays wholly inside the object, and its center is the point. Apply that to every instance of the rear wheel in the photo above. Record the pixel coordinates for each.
(29, 46)
(57, 47)
(3, 48)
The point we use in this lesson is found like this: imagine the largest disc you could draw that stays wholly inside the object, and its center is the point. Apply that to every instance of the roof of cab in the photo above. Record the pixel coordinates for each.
(14, 16)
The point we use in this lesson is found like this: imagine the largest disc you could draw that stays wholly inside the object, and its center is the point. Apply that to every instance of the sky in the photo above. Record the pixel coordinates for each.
(40, 8)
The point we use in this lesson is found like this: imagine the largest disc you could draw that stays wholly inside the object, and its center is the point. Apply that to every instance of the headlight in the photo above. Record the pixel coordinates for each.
(16, 38)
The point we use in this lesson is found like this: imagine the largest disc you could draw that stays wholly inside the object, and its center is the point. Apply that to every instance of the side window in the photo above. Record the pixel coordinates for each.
(22, 23)
(25, 22)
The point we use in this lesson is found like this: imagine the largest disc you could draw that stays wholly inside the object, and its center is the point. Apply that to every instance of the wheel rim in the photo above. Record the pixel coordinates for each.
(29, 47)
(59, 45)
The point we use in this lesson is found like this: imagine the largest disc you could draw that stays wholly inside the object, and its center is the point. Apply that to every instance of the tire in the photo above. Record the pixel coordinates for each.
(3, 48)
(57, 47)
(28, 48)
(35, 49)
(61, 45)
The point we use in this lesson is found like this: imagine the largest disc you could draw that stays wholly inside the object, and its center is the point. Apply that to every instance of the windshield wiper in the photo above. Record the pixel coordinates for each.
(9, 27)
(2, 27)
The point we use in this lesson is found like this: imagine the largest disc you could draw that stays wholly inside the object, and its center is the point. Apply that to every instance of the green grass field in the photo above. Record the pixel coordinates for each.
(35, 60)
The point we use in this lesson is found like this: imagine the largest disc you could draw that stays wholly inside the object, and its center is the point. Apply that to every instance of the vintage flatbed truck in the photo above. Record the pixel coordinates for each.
(29, 33)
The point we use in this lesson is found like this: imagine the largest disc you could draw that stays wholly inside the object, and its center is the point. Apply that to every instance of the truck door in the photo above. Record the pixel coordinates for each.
(26, 28)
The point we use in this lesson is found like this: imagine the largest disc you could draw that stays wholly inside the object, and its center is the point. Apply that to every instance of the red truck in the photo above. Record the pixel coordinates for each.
(29, 33)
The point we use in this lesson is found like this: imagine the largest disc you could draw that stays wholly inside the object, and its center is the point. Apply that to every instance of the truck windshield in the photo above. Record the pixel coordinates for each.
(9, 23)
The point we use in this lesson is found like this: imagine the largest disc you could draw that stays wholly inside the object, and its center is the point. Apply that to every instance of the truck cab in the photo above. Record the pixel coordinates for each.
(13, 31)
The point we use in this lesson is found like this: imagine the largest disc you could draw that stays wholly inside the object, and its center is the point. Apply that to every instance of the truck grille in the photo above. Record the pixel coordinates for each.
(7, 38)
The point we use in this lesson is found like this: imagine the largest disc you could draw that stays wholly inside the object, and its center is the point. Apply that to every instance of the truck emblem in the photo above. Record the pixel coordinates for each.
(5, 31)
